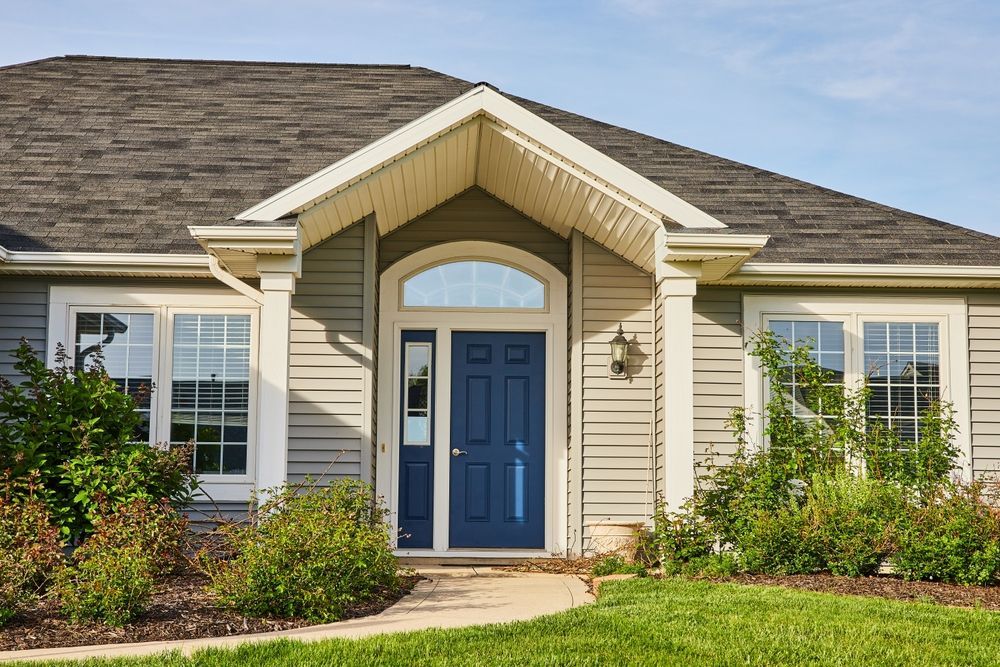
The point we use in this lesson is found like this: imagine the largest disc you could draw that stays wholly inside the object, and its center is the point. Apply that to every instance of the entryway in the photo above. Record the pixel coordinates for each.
(471, 459)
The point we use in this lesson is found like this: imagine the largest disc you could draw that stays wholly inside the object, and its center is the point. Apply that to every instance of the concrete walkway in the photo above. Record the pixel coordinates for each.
(451, 597)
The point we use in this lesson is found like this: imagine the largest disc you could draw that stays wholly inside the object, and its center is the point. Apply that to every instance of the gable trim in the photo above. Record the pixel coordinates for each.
(655, 201)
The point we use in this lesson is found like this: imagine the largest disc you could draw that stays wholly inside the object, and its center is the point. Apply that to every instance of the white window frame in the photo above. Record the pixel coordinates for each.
(406, 440)
(949, 313)
(66, 300)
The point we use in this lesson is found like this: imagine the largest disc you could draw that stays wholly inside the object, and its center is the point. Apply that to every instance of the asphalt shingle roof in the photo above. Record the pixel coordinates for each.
(121, 155)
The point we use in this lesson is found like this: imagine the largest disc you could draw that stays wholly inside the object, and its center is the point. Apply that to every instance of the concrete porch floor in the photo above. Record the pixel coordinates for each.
(449, 597)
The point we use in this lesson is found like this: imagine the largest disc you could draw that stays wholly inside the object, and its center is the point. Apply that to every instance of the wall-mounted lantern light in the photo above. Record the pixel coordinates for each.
(619, 353)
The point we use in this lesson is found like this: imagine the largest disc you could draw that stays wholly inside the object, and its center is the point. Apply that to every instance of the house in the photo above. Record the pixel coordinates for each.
(388, 273)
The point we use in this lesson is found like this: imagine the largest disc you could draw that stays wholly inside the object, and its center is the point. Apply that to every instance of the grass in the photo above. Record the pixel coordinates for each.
(675, 621)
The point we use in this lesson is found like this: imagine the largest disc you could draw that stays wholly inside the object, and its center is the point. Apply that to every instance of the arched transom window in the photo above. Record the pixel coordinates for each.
(474, 284)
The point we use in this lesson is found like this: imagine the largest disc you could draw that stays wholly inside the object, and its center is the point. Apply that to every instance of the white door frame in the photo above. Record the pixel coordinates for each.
(393, 319)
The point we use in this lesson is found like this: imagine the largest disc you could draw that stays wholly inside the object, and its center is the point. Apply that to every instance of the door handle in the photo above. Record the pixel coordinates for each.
(458, 452)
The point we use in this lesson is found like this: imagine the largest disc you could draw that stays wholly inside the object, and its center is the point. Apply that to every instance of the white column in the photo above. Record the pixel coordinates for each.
(678, 285)
(277, 283)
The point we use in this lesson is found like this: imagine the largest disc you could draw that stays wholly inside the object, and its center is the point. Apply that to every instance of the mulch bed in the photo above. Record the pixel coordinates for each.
(180, 608)
(892, 588)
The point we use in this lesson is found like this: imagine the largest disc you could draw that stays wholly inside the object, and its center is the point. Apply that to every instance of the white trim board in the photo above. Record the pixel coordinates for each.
(393, 319)
(951, 313)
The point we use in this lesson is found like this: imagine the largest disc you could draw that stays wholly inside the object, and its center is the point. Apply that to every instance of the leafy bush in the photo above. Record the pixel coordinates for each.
(73, 430)
(680, 537)
(779, 542)
(955, 537)
(713, 566)
(615, 564)
(308, 555)
(157, 528)
(114, 570)
(851, 522)
(30, 550)
(110, 585)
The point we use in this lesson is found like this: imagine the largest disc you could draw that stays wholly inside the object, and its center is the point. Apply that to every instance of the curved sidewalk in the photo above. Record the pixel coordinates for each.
(450, 597)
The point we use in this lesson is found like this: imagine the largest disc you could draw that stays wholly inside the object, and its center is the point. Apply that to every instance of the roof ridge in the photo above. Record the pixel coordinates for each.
(221, 61)
(31, 62)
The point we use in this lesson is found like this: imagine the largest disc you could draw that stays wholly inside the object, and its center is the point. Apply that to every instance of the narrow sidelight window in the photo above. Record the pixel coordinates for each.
(210, 390)
(417, 398)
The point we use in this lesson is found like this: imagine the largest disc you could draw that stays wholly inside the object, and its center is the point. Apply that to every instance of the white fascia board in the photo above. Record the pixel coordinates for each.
(677, 246)
(479, 100)
(4, 255)
(99, 263)
(863, 274)
(281, 240)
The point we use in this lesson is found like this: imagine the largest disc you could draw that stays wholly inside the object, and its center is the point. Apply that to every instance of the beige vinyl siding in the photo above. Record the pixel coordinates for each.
(617, 475)
(984, 371)
(23, 314)
(475, 215)
(326, 364)
(718, 371)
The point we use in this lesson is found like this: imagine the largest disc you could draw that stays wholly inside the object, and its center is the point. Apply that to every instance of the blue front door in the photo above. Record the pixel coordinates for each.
(498, 440)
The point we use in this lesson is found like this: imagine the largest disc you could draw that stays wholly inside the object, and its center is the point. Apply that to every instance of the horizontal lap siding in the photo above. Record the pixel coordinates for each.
(718, 371)
(326, 366)
(475, 216)
(984, 367)
(617, 475)
(23, 314)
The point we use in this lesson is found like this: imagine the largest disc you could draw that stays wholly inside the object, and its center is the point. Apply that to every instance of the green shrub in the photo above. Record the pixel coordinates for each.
(157, 528)
(615, 564)
(851, 522)
(113, 572)
(109, 585)
(308, 555)
(713, 566)
(74, 431)
(780, 542)
(30, 550)
(679, 537)
(954, 537)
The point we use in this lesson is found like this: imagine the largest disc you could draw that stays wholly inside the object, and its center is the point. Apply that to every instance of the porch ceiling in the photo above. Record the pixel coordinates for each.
(484, 139)
(486, 153)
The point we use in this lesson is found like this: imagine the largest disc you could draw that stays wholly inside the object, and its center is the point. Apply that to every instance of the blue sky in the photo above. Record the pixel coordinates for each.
(893, 100)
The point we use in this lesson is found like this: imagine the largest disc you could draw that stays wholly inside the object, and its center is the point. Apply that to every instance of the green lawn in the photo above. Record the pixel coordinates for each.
(647, 622)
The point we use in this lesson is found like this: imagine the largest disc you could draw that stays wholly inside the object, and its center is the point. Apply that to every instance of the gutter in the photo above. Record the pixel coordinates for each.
(865, 275)
(103, 264)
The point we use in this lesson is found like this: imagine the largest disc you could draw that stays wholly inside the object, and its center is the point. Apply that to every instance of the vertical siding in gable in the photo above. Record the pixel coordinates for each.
(718, 370)
(984, 369)
(616, 437)
(475, 216)
(23, 314)
(326, 366)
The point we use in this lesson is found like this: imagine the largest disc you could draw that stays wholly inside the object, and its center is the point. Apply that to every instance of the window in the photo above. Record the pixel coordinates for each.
(125, 343)
(210, 390)
(474, 284)
(194, 347)
(825, 341)
(416, 425)
(912, 350)
(903, 364)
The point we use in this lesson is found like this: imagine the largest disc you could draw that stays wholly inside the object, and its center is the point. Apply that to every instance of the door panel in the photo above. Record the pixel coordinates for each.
(497, 484)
